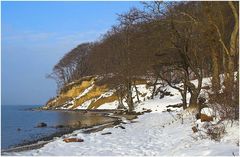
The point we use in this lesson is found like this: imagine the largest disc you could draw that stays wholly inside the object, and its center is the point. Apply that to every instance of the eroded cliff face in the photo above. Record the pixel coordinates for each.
(87, 93)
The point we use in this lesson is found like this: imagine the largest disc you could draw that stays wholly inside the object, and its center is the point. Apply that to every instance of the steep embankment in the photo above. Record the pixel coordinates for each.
(88, 93)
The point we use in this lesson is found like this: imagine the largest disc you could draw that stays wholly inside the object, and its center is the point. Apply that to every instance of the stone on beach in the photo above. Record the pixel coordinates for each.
(41, 125)
(106, 133)
(67, 140)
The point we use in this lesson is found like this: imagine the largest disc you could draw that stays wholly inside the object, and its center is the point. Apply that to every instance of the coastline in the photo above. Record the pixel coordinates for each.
(115, 116)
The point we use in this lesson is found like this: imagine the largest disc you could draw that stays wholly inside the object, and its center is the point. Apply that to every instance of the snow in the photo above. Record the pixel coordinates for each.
(111, 105)
(154, 134)
(158, 105)
(85, 91)
(205, 81)
(207, 111)
(107, 94)
(85, 104)
(158, 133)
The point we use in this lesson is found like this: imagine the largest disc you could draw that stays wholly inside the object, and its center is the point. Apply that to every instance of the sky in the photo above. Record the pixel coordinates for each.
(35, 35)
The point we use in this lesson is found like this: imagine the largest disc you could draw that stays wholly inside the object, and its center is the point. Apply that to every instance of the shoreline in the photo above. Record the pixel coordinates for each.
(45, 140)
(91, 111)
(38, 143)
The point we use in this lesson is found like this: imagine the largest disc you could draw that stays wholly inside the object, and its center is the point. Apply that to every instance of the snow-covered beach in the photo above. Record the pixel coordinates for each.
(156, 133)
(152, 134)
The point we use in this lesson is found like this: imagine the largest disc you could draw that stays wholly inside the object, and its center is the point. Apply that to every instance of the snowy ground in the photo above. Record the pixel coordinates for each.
(156, 133)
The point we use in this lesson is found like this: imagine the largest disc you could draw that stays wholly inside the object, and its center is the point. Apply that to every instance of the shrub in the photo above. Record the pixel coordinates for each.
(226, 103)
(215, 132)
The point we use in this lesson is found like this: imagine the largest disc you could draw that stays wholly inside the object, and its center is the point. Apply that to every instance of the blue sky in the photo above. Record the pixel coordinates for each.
(35, 35)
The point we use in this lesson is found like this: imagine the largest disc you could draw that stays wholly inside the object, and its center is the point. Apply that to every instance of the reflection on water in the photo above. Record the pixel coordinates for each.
(19, 124)
(85, 119)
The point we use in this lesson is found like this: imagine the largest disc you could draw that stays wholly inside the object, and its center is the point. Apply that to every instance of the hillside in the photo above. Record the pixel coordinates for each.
(87, 93)
(90, 93)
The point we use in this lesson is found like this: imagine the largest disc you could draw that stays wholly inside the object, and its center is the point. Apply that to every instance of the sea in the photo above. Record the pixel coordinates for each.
(18, 123)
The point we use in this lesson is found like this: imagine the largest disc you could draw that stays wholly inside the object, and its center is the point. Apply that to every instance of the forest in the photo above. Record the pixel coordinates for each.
(171, 42)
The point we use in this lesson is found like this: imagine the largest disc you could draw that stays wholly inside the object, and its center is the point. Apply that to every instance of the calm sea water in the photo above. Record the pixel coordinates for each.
(14, 117)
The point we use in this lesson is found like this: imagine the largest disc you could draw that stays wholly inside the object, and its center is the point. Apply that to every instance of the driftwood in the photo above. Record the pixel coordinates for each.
(67, 140)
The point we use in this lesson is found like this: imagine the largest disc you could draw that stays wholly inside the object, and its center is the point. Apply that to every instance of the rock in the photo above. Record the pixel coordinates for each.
(167, 93)
(41, 125)
(120, 126)
(147, 111)
(169, 110)
(106, 133)
(161, 96)
(67, 140)
(116, 122)
(130, 117)
(175, 106)
(204, 117)
(133, 113)
(60, 126)
(194, 129)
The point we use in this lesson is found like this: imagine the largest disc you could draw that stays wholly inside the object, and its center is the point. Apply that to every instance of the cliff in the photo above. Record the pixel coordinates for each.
(92, 93)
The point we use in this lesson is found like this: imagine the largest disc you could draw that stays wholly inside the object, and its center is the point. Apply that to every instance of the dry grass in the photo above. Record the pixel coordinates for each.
(79, 82)
(95, 92)
(102, 101)
(141, 81)
(73, 92)
(76, 90)
(60, 101)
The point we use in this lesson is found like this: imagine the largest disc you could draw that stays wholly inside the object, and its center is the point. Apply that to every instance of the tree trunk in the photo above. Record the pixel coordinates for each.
(120, 105)
(195, 91)
(231, 71)
(193, 99)
(231, 54)
(154, 87)
(120, 102)
(229, 83)
(184, 98)
(129, 96)
(137, 92)
(215, 71)
(236, 97)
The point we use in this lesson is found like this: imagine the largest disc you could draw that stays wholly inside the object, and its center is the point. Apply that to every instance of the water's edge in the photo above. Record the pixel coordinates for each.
(41, 142)
(114, 115)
